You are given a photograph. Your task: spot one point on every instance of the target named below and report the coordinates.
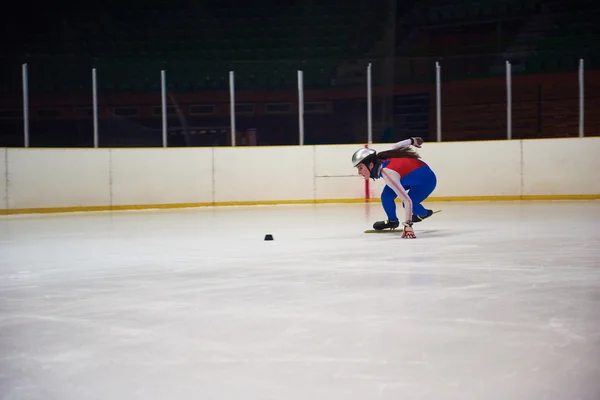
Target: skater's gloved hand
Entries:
(408, 232)
(416, 141)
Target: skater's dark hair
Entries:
(404, 152)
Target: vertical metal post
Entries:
(95, 105)
(367, 185)
(581, 103)
(163, 91)
(539, 110)
(369, 106)
(301, 108)
(25, 106)
(438, 101)
(508, 101)
(232, 106)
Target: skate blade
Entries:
(392, 230)
(435, 212)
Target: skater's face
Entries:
(364, 171)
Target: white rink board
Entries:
(55, 178)
(462, 169)
(47, 178)
(3, 188)
(335, 161)
(351, 187)
(161, 176)
(561, 166)
(475, 168)
(336, 178)
(264, 173)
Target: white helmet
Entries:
(362, 154)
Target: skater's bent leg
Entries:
(418, 208)
(387, 201)
(419, 192)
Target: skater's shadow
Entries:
(433, 233)
(441, 233)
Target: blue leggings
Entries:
(419, 184)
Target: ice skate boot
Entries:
(416, 218)
(387, 224)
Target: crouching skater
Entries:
(406, 176)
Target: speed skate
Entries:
(393, 230)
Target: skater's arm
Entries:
(392, 179)
(415, 141)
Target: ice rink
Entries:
(493, 300)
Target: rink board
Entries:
(62, 180)
(172, 176)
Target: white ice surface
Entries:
(492, 301)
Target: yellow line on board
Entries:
(526, 197)
(128, 207)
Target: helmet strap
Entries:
(373, 173)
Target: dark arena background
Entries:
(54, 48)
